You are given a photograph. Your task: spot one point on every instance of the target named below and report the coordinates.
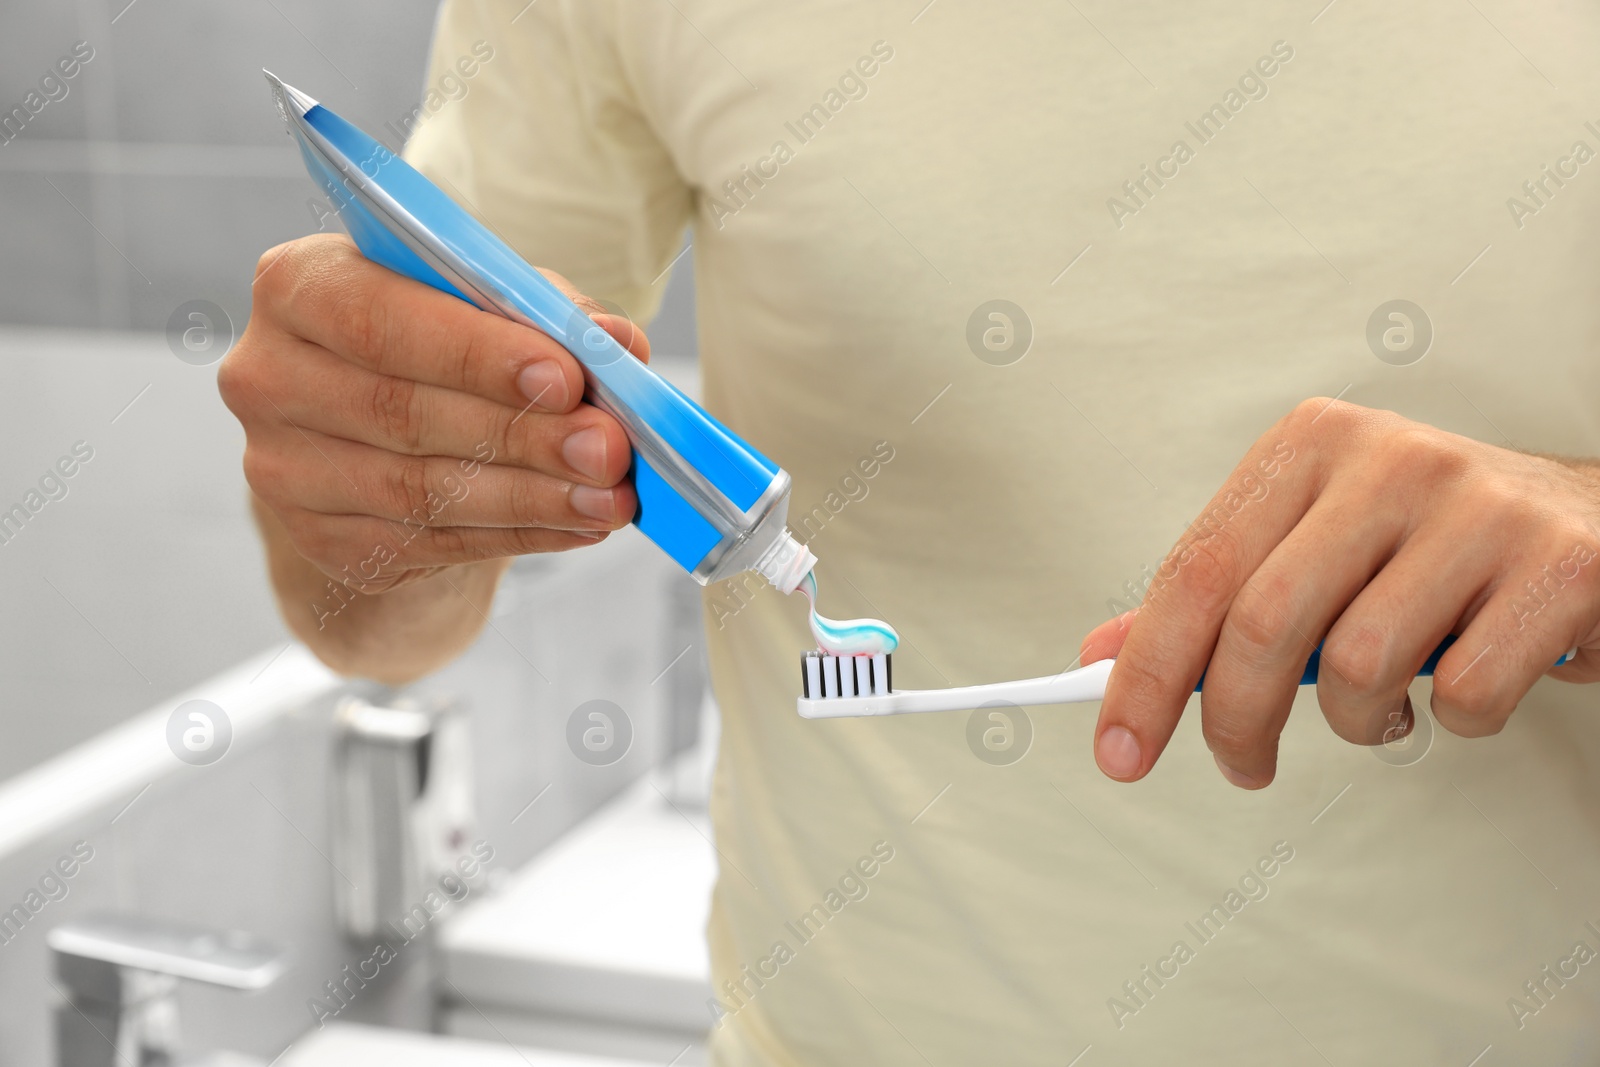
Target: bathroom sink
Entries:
(347, 1045)
(599, 943)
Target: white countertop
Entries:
(607, 924)
(345, 1045)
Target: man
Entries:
(1072, 268)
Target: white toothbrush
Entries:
(837, 687)
(847, 687)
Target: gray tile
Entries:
(191, 72)
(200, 237)
(673, 331)
(37, 36)
(149, 567)
(48, 275)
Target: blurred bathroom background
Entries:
(145, 186)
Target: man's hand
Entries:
(1377, 537)
(395, 433)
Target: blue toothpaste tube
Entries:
(714, 504)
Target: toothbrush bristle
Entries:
(825, 677)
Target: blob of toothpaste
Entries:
(848, 637)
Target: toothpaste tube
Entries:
(714, 504)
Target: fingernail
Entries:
(1243, 781)
(1117, 752)
(589, 535)
(544, 384)
(595, 503)
(585, 452)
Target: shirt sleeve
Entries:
(544, 142)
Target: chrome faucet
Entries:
(402, 806)
(120, 977)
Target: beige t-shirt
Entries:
(1197, 207)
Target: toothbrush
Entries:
(847, 687)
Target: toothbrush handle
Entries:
(1428, 667)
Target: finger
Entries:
(1171, 639)
(332, 476)
(1584, 667)
(1398, 724)
(327, 293)
(617, 324)
(627, 334)
(1372, 653)
(1274, 625)
(342, 400)
(549, 384)
(1582, 556)
(1523, 628)
(1106, 640)
(373, 553)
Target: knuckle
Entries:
(407, 488)
(1232, 739)
(525, 502)
(1500, 507)
(451, 543)
(313, 537)
(506, 440)
(392, 409)
(1261, 617)
(1423, 452)
(529, 439)
(1316, 416)
(1361, 658)
(269, 258)
(283, 271)
(234, 378)
(365, 325)
(1208, 566)
(1468, 705)
(248, 377)
(1139, 686)
(455, 544)
(274, 273)
(1311, 409)
(1322, 419)
(477, 356)
(263, 473)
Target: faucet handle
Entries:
(121, 975)
(90, 950)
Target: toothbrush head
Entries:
(840, 687)
(845, 686)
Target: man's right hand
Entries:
(394, 429)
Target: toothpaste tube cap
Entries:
(785, 563)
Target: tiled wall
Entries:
(164, 172)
